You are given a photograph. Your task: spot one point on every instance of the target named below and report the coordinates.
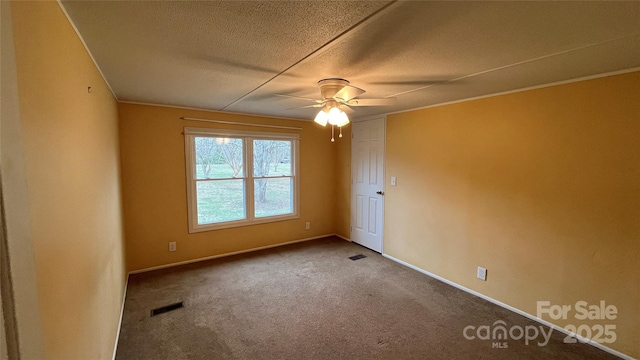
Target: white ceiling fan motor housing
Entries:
(329, 87)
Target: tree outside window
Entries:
(225, 191)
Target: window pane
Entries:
(273, 196)
(218, 158)
(220, 200)
(271, 158)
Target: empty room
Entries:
(320, 180)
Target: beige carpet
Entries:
(310, 301)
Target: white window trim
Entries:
(192, 212)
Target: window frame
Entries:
(190, 133)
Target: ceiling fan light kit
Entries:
(337, 93)
(332, 116)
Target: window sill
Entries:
(242, 223)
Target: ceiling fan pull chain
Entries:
(332, 138)
(340, 132)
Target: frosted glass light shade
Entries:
(334, 116)
(343, 119)
(322, 118)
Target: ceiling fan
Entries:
(337, 99)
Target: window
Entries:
(237, 178)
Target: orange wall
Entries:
(541, 187)
(154, 188)
(71, 157)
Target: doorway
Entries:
(367, 183)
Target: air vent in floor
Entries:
(357, 257)
(164, 309)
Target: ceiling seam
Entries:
(73, 25)
(507, 92)
(323, 46)
(516, 64)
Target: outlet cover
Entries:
(307, 225)
(482, 273)
(172, 246)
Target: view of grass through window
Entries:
(221, 179)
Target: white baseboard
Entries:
(224, 255)
(511, 308)
(342, 237)
(124, 297)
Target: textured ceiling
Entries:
(236, 56)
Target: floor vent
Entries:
(164, 309)
(357, 257)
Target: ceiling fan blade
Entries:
(299, 98)
(348, 92)
(346, 109)
(372, 102)
(307, 106)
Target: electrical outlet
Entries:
(172, 246)
(482, 273)
(307, 225)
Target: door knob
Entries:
(380, 192)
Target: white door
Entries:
(367, 183)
